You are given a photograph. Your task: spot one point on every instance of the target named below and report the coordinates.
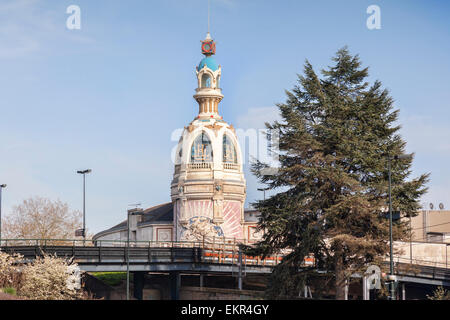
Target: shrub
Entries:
(51, 278)
(439, 294)
(46, 278)
(10, 275)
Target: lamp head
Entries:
(2, 185)
(84, 171)
(403, 156)
(136, 212)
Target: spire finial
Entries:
(209, 14)
(208, 45)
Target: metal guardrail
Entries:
(107, 251)
(214, 250)
(99, 251)
(208, 241)
(422, 262)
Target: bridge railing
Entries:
(221, 251)
(421, 262)
(44, 242)
(217, 243)
(207, 242)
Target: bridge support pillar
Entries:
(403, 291)
(138, 284)
(240, 270)
(346, 290)
(366, 293)
(175, 284)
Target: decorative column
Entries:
(218, 203)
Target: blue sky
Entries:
(109, 96)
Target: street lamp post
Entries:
(264, 190)
(391, 256)
(84, 172)
(1, 188)
(132, 212)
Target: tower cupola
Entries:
(208, 186)
(208, 93)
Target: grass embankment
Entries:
(11, 291)
(112, 278)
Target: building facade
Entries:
(431, 226)
(208, 187)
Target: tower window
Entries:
(201, 149)
(229, 151)
(206, 81)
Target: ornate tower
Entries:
(208, 93)
(208, 186)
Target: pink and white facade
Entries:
(208, 186)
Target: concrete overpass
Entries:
(206, 258)
(140, 257)
(169, 258)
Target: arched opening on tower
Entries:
(206, 81)
(201, 149)
(229, 150)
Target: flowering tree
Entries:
(10, 276)
(439, 294)
(51, 278)
(46, 278)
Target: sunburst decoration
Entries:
(232, 219)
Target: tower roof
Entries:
(210, 62)
(208, 93)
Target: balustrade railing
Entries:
(200, 165)
(231, 166)
(207, 166)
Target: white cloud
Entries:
(257, 117)
(226, 2)
(426, 135)
(429, 139)
(14, 5)
(34, 167)
(26, 28)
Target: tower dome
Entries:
(208, 187)
(210, 62)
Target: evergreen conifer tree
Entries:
(335, 137)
